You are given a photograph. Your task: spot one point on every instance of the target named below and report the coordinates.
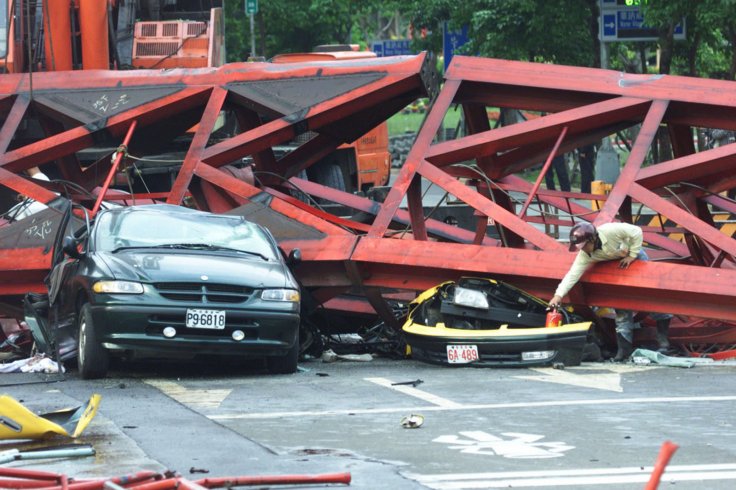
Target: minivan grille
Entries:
(192, 292)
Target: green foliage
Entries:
(549, 31)
(566, 31)
(708, 49)
(557, 31)
(554, 31)
(294, 26)
(410, 119)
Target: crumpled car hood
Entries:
(191, 267)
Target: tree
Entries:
(556, 31)
(290, 26)
(711, 36)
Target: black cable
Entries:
(708, 191)
(112, 36)
(296, 187)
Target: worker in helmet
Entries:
(610, 241)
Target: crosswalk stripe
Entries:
(489, 406)
(191, 398)
(573, 477)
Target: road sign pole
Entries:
(252, 36)
(606, 155)
(251, 9)
(604, 55)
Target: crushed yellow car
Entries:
(484, 322)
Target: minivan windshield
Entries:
(143, 228)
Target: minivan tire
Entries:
(286, 364)
(93, 359)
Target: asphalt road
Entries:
(597, 425)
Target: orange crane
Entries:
(68, 35)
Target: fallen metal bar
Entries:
(327, 478)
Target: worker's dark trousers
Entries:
(625, 318)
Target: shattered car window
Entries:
(146, 229)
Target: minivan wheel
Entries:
(285, 364)
(93, 359)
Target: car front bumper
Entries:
(500, 347)
(134, 327)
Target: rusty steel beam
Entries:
(87, 114)
(511, 137)
(394, 244)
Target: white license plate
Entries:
(214, 319)
(462, 354)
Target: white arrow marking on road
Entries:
(600, 381)
(623, 368)
(192, 398)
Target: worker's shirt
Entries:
(617, 241)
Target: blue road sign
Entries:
(451, 40)
(392, 47)
(624, 23)
(609, 25)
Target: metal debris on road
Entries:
(413, 421)
(414, 383)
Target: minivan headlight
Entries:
(289, 295)
(117, 287)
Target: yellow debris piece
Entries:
(17, 422)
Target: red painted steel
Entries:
(397, 243)
(542, 173)
(111, 174)
(58, 38)
(149, 480)
(93, 22)
(663, 458)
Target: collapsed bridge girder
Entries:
(386, 247)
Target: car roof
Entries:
(173, 209)
(169, 208)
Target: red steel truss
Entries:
(71, 123)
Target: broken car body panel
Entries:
(489, 323)
(18, 422)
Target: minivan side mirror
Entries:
(295, 257)
(69, 246)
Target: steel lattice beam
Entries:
(397, 243)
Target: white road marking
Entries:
(193, 398)
(581, 477)
(622, 368)
(489, 406)
(600, 381)
(512, 445)
(411, 391)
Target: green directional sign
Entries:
(251, 7)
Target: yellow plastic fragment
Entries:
(17, 422)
